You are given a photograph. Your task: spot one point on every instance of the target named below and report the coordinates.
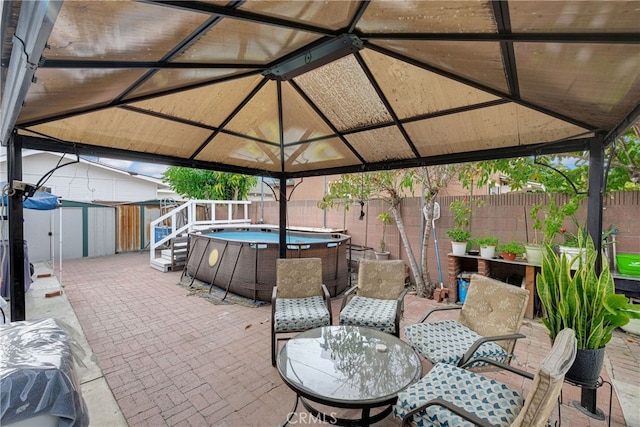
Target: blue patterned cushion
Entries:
(495, 402)
(447, 341)
(370, 312)
(298, 314)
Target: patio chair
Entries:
(452, 396)
(487, 326)
(379, 297)
(299, 301)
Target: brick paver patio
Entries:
(175, 359)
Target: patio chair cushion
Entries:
(381, 279)
(494, 308)
(497, 403)
(370, 312)
(297, 314)
(299, 277)
(448, 340)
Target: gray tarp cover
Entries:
(37, 373)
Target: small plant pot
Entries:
(487, 251)
(458, 248)
(509, 256)
(534, 254)
(382, 255)
(571, 253)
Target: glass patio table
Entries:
(347, 367)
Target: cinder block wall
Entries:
(506, 216)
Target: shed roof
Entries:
(301, 88)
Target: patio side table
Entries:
(348, 367)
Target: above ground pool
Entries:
(243, 260)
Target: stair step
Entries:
(166, 254)
(161, 264)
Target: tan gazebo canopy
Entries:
(318, 87)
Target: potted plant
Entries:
(459, 234)
(385, 218)
(487, 246)
(571, 244)
(511, 250)
(459, 237)
(547, 220)
(575, 296)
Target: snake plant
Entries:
(575, 296)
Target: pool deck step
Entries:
(161, 264)
(174, 258)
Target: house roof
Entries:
(28, 153)
(302, 88)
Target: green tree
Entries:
(392, 187)
(565, 173)
(208, 185)
(562, 173)
(433, 179)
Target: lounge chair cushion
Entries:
(495, 402)
(448, 340)
(381, 279)
(494, 308)
(299, 277)
(298, 314)
(370, 312)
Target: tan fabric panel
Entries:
(576, 16)
(135, 132)
(301, 122)
(259, 117)
(209, 105)
(412, 91)
(60, 91)
(494, 308)
(329, 14)
(594, 83)
(118, 30)
(344, 94)
(479, 61)
(494, 127)
(299, 277)
(238, 151)
(434, 16)
(381, 279)
(381, 144)
(168, 79)
(239, 41)
(327, 153)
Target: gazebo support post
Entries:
(596, 190)
(16, 232)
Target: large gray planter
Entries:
(585, 372)
(586, 367)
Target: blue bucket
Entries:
(463, 287)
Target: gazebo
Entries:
(290, 89)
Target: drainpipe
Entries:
(324, 193)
